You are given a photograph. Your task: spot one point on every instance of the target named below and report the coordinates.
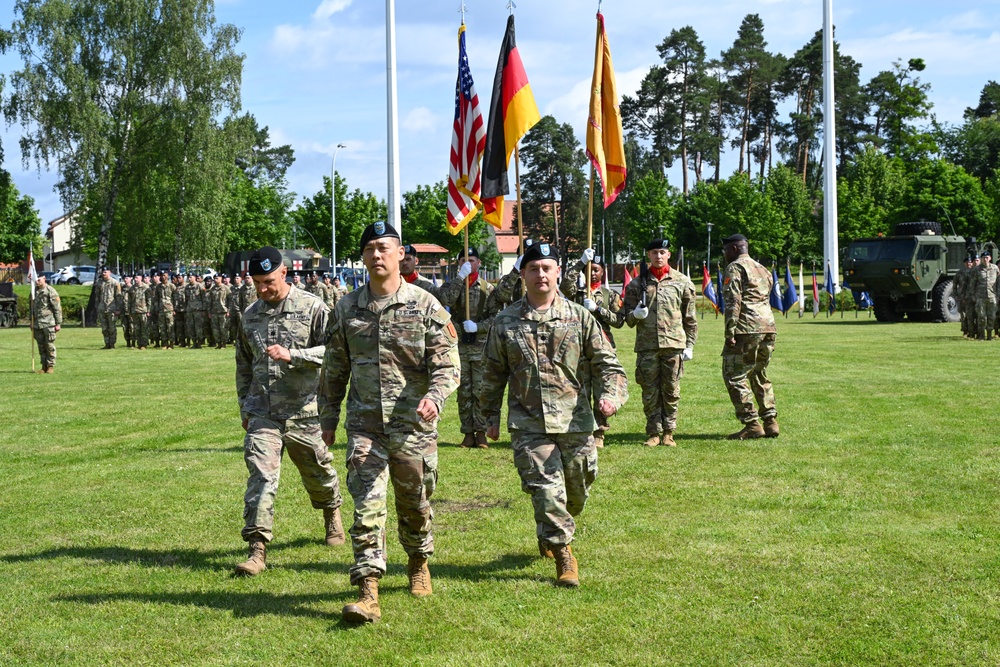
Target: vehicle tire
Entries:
(916, 228)
(73, 281)
(884, 311)
(945, 305)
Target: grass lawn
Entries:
(866, 534)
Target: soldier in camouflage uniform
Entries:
(603, 303)
(396, 346)
(237, 304)
(408, 269)
(661, 306)
(196, 302)
(165, 304)
(550, 417)
(154, 310)
(985, 286)
(126, 318)
(180, 311)
(218, 311)
(279, 351)
(750, 337)
(109, 307)
(46, 320)
(337, 292)
(139, 312)
(509, 287)
(470, 346)
(958, 287)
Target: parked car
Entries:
(76, 275)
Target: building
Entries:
(58, 251)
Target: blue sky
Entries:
(315, 69)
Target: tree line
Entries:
(137, 104)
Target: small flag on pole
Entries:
(32, 274)
(815, 295)
(720, 302)
(605, 145)
(791, 296)
(512, 113)
(468, 141)
(829, 288)
(802, 292)
(708, 289)
(627, 279)
(775, 297)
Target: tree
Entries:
(939, 190)
(794, 202)
(868, 194)
(803, 78)
(744, 62)
(898, 98)
(683, 57)
(975, 145)
(102, 79)
(355, 211)
(989, 102)
(19, 223)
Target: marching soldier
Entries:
(958, 286)
(109, 306)
(46, 320)
(395, 345)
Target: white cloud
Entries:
(328, 8)
(423, 119)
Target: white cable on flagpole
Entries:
(392, 199)
(831, 253)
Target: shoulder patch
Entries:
(441, 316)
(726, 281)
(451, 330)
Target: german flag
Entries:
(512, 113)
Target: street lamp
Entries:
(708, 256)
(333, 210)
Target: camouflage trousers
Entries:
(265, 442)
(154, 327)
(109, 327)
(410, 460)
(166, 323)
(180, 330)
(557, 469)
(986, 311)
(659, 374)
(234, 325)
(195, 321)
(140, 329)
(46, 339)
(471, 386)
(127, 329)
(744, 370)
(220, 328)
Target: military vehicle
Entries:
(8, 305)
(910, 273)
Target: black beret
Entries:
(472, 252)
(598, 260)
(986, 253)
(264, 261)
(539, 251)
(735, 238)
(970, 258)
(657, 243)
(377, 230)
(410, 250)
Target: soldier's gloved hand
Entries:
(640, 312)
(470, 326)
(687, 354)
(587, 256)
(517, 263)
(590, 304)
(464, 271)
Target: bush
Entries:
(74, 299)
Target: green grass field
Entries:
(867, 534)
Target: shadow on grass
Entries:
(508, 567)
(242, 605)
(637, 439)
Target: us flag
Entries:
(467, 144)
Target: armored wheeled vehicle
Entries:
(8, 305)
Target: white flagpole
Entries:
(831, 254)
(395, 213)
(802, 292)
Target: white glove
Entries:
(470, 326)
(464, 271)
(590, 304)
(587, 256)
(640, 312)
(581, 282)
(687, 354)
(517, 263)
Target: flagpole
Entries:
(31, 308)
(590, 227)
(467, 316)
(830, 227)
(394, 210)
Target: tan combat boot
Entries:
(480, 440)
(567, 570)
(544, 550)
(50, 369)
(599, 441)
(667, 439)
(334, 527)
(256, 563)
(750, 431)
(366, 609)
(468, 441)
(771, 427)
(420, 577)
(652, 441)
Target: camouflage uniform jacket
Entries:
(164, 297)
(218, 300)
(959, 283)
(179, 295)
(153, 297)
(984, 283)
(195, 297)
(46, 308)
(671, 322)
(508, 290)
(393, 359)
(424, 284)
(139, 303)
(746, 286)
(109, 295)
(249, 295)
(552, 360)
(609, 311)
(452, 295)
(279, 389)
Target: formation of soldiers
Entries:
(977, 289)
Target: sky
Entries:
(315, 70)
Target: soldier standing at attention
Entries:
(603, 303)
(165, 302)
(219, 312)
(408, 269)
(154, 310)
(278, 356)
(237, 304)
(661, 307)
(985, 288)
(126, 317)
(180, 310)
(552, 354)
(750, 337)
(109, 307)
(471, 343)
(139, 310)
(396, 345)
(338, 291)
(195, 311)
(958, 286)
(46, 320)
